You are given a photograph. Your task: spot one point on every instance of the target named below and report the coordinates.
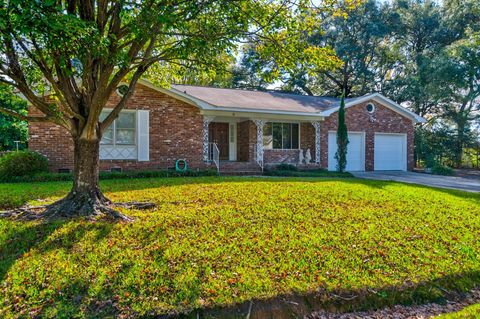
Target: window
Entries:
(122, 130)
(280, 136)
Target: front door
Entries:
(218, 134)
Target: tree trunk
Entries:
(459, 144)
(85, 198)
(86, 161)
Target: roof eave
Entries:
(386, 101)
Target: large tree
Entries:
(457, 86)
(68, 57)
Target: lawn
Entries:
(216, 241)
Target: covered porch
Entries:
(252, 143)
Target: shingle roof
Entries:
(259, 100)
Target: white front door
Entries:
(355, 151)
(232, 139)
(390, 152)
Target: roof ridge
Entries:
(259, 91)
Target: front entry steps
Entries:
(239, 168)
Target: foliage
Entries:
(305, 173)
(359, 41)
(285, 167)
(457, 83)
(22, 163)
(442, 170)
(342, 138)
(11, 128)
(217, 241)
(436, 144)
(52, 177)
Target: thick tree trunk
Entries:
(85, 198)
(86, 161)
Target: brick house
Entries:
(240, 130)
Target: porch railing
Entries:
(214, 155)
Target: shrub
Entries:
(306, 173)
(442, 170)
(285, 167)
(54, 177)
(22, 163)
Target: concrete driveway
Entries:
(452, 182)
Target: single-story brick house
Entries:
(240, 130)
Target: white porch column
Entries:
(316, 125)
(206, 123)
(259, 146)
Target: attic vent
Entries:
(122, 89)
(370, 108)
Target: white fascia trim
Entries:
(245, 114)
(384, 101)
(258, 111)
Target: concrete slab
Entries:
(451, 182)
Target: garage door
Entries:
(355, 151)
(390, 152)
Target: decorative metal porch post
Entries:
(259, 146)
(206, 123)
(316, 125)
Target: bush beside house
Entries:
(22, 163)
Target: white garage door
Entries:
(390, 152)
(355, 151)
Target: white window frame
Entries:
(284, 149)
(114, 124)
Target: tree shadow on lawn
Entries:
(122, 185)
(35, 235)
(73, 298)
(439, 290)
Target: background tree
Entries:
(78, 52)
(12, 128)
(342, 138)
(359, 41)
(457, 86)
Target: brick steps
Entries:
(239, 168)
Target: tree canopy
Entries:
(68, 57)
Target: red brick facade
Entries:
(176, 131)
(383, 120)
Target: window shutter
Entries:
(143, 129)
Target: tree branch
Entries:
(24, 117)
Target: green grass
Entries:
(471, 312)
(216, 241)
(306, 173)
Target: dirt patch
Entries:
(406, 312)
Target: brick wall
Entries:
(358, 119)
(176, 131)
